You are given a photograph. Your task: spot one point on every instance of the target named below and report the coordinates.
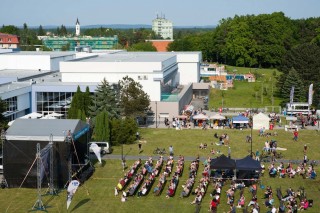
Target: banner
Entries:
(291, 95)
(45, 162)
(72, 188)
(310, 94)
(97, 151)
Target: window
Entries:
(145, 77)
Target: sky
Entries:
(180, 12)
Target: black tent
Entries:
(222, 162)
(248, 163)
(19, 149)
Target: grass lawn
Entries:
(245, 94)
(97, 194)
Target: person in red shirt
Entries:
(295, 135)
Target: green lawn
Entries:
(245, 94)
(97, 194)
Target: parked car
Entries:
(105, 147)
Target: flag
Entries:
(97, 151)
(72, 188)
(310, 94)
(291, 95)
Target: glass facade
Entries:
(59, 102)
(11, 108)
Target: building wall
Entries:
(55, 62)
(23, 101)
(26, 62)
(163, 27)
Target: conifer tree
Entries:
(104, 99)
(292, 79)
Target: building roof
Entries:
(52, 54)
(77, 22)
(14, 86)
(161, 45)
(4, 39)
(41, 129)
(21, 74)
(130, 57)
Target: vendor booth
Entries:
(260, 120)
(240, 122)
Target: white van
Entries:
(298, 108)
(105, 147)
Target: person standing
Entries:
(123, 164)
(257, 155)
(171, 150)
(229, 152)
(305, 159)
(305, 149)
(295, 135)
(140, 147)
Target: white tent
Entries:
(217, 117)
(200, 117)
(260, 120)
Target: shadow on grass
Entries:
(103, 163)
(82, 202)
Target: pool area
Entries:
(168, 97)
(235, 77)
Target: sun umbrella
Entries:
(200, 117)
(217, 117)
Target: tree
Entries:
(123, 131)
(10, 29)
(143, 46)
(101, 131)
(80, 105)
(105, 99)
(41, 32)
(305, 59)
(133, 100)
(292, 79)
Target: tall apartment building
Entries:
(163, 27)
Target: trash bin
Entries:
(271, 126)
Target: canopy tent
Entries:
(200, 117)
(188, 108)
(260, 121)
(248, 163)
(217, 117)
(240, 120)
(222, 162)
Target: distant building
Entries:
(77, 28)
(57, 43)
(96, 43)
(8, 41)
(163, 27)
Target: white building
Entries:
(163, 27)
(45, 82)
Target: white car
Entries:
(105, 147)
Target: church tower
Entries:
(77, 28)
